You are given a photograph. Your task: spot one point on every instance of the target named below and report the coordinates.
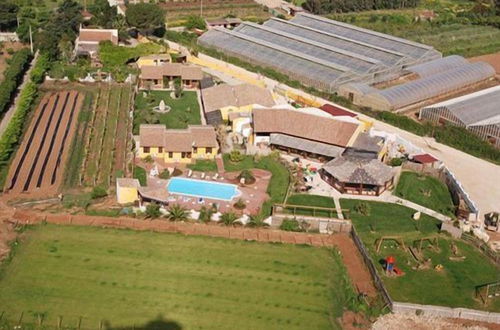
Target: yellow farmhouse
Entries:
(219, 102)
(177, 145)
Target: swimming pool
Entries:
(200, 188)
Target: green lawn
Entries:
(129, 278)
(454, 286)
(311, 200)
(184, 111)
(426, 191)
(280, 179)
(203, 165)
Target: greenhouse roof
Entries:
(436, 66)
(412, 49)
(386, 56)
(317, 55)
(479, 108)
(298, 65)
(353, 61)
(435, 85)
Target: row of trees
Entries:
(178, 213)
(344, 6)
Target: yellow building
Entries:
(127, 190)
(153, 60)
(222, 100)
(177, 145)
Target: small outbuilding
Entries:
(358, 176)
(127, 190)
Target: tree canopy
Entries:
(343, 6)
(147, 17)
(8, 16)
(104, 14)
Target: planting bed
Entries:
(38, 166)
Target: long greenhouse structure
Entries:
(319, 52)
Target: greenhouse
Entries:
(427, 88)
(437, 66)
(316, 55)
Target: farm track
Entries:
(122, 133)
(108, 140)
(36, 167)
(97, 131)
(87, 133)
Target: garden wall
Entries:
(323, 225)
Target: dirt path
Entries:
(356, 269)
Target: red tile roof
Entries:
(336, 111)
(424, 159)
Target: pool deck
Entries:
(253, 195)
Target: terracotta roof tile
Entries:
(172, 70)
(217, 97)
(179, 140)
(301, 124)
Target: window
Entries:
(195, 150)
(170, 154)
(188, 155)
(145, 150)
(160, 150)
(208, 150)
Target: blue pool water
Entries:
(200, 188)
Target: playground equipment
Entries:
(456, 255)
(390, 267)
(488, 291)
(397, 239)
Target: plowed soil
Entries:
(37, 169)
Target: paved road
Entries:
(8, 115)
(479, 178)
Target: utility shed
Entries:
(437, 85)
(479, 112)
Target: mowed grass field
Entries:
(130, 278)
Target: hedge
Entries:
(13, 76)
(13, 132)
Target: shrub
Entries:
(228, 218)
(396, 162)
(148, 159)
(240, 204)
(98, 192)
(206, 214)
(165, 174)
(196, 22)
(153, 211)
(176, 172)
(291, 225)
(236, 156)
(141, 175)
(177, 213)
(247, 176)
(362, 208)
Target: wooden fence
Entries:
(483, 247)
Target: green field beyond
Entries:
(131, 278)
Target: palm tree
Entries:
(228, 218)
(257, 221)
(206, 214)
(177, 213)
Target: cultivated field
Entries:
(106, 138)
(129, 278)
(37, 168)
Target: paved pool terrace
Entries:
(254, 195)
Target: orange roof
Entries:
(305, 125)
(98, 35)
(178, 140)
(171, 70)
